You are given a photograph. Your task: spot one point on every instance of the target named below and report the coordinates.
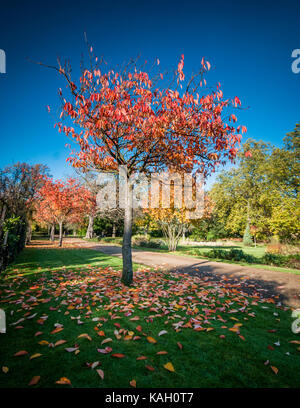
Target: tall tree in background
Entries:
(130, 116)
(262, 191)
(63, 202)
(19, 185)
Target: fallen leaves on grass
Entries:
(21, 353)
(133, 383)
(169, 367)
(34, 380)
(180, 302)
(35, 356)
(63, 381)
(274, 369)
(101, 373)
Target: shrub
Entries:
(150, 244)
(277, 248)
(15, 231)
(236, 255)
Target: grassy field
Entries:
(69, 319)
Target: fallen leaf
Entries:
(133, 383)
(63, 381)
(101, 373)
(106, 341)
(35, 380)
(59, 342)
(5, 369)
(35, 356)
(274, 369)
(71, 349)
(151, 340)
(169, 367)
(150, 368)
(118, 355)
(84, 335)
(21, 353)
(57, 330)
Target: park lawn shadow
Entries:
(33, 261)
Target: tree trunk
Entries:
(114, 230)
(90, 230)
(127, 275)
(60, 233)
(28, 234)
(52, 230)
(183, 234)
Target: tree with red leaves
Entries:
(60, 203)
(130, 117)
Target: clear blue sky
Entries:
(248, 43)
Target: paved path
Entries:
(284, 287)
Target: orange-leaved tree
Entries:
(60, 203)
(135, 117)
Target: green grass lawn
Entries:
(213, 336)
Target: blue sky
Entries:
(249, 45)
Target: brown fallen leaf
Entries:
(118, 355)
(84, 335)
(106, 340)
(142, 358)
(34, 380)
(274, 369)
(5, 369)
(57, 330)
(21, 353)
(151, 340)
(59, 342)
(133, 383)
(160, 353)
(150, 368)
(179, 345)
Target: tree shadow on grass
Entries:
(263, 286)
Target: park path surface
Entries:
(281, 286)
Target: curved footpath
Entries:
(281, 286)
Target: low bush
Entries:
(12, 241)
(237, 255)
